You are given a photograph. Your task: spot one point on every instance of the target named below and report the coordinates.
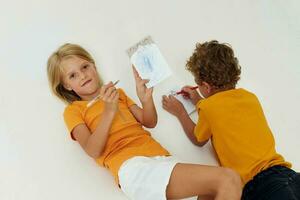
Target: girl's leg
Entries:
(189, 180)
(205, 197)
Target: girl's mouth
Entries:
(85, 83)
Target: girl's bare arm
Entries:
(147, 114)
(94, 143)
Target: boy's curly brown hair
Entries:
(214, 63)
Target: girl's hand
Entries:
(172, 105)
(110, 97)
(144, 93)
(193, 95)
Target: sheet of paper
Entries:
(188, 105)
(149, 62)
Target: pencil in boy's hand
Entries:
(183, 92)
(97, 97)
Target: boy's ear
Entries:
(207, 87)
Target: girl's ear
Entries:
(67, 87)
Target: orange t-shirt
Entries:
(235, 122)
(127, 138)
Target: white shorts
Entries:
(146, 178)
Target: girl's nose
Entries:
(82, 75)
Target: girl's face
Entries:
(80, 76)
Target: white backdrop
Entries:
(37, 158)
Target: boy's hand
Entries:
(193, 95)
(144, 93)
(172, 105)
(110, 96)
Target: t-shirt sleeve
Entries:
(123, 97)
(202, 129)
(72, 117)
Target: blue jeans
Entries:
(274, 183)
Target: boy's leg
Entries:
(282, 183)
(198, 180)
(291, 191)
(296, 186)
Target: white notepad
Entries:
(149, 62)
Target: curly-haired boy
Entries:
(234, 121)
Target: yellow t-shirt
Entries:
(127, 138)
(241, 137)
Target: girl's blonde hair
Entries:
(55, 71)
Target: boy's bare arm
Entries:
(188, 127)
(175, 107)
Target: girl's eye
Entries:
(85, 66)
(72, 76)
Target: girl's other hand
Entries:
(110, 96)
(193, 95)
(172, 105)
(144, 93)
